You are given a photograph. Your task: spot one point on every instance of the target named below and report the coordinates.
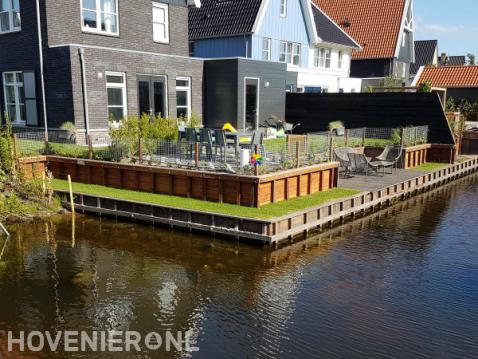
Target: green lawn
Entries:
(266, 212)
(430, 166)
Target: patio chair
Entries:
(390, 157)
(191, 139)
(341, 155)
(359, 163)
(205, 141)
(256, 140)
(220, 144)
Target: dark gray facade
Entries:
(225, 90)
(132, 52)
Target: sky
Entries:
(454, 23)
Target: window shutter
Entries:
(31, 107)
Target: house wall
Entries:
(371, 68)
(272, 85)
(135, 26)
(237, 46)
(220, 92)
(20, 58)
(470, 94)
(290, 28)
(98, 61)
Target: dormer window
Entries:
(9, 16)
(100, 16)
(283, 8)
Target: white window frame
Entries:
(188, 97)
(266, 52)
(165, 7)
(11, 22)
(290, 52)
(340, 60)
(122, 86)
(98, 11)
(16, 86)
(321, 58)
(283, 8)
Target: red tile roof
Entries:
(374, 24)
(450, 76)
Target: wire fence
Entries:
(269, 156)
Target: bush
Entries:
(6, 150)
(335, 124)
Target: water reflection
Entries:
(401, 282)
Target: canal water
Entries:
(402, 283)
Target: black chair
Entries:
(220, 144)
(390, 157)
(359, 163)
(191, 138)
(205, 141)
(256, 140)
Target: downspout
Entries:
(81, 53)
(42, 77)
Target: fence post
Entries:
(140, 149)
(416, 135)
(346, 137)
(15, 148)
(46, 143)
(256, 166)
(297, 154)
(196, 154)
(90, 147)
(402, 132)
(331, 148)
(364, 135)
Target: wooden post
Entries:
(140, 149)
(331, 148)
(297, 154)
(416, 135)
(196, 154)
(346, 137)
(402, 131)
(364, 135)
(90, 147)
(15, 147)
(72, 204)
(47, 146)
(256, 166)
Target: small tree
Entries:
(471, 59)
(425, 87)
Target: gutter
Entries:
(42, 76)
(81, 53)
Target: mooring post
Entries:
(72, 204)
(196, 154)
(90, 147)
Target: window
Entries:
(341, 59)
(160, 23)
(322, 57)
(10, 16)
(289, 53)
(283, 8)
(266, 48)
(14, 96)
(183, 97)
(116, 92)
(100, 16)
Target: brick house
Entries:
(102, 59)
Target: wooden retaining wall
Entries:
(278, 229)
(33, 167)
(251, 191)
(469, 143)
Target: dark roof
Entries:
(217, 18)
(328, 31)
(452, 61)
(424, 54)
(315, 111)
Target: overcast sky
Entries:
(454, 23)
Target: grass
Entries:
(265, 212)
(430, 166)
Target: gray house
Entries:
(102, 59)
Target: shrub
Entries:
(68, 126)
(335, 124)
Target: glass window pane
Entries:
(89, 4)
(108, 6)
(182, 83)
(89, 19)
(115, 113)
(12, 113)
(114, 79)
(108, 23)
(10, 94)
(4, 21)
(9, 77)
(21, 95)
(159, 32)
(4, 5)
(115, 97)
(181, 98)
(17, 22)
(19, 76)
(182, 112)
(143, 93)
(16, 5)
(158, 95)
(159, 15)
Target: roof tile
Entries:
(374, 24)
